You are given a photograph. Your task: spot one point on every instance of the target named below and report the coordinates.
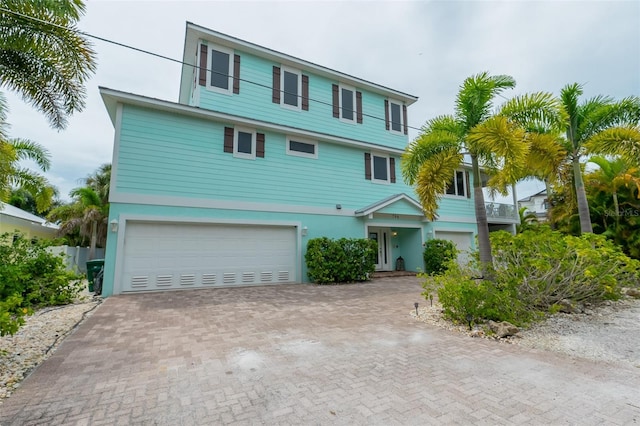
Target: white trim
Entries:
(298, 153)
(124, 218)
(456, 219)
(402, 123)
(230, 52)
(236, 153)
(355, 106)
(113, 97)
(298, 73)
(464, 186)
(373, 169)
(390, 201)
(116, 152)
(194, 32)
(162, 200)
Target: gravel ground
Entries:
(609, 333)
(37, 339)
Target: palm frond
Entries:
(423, 149)
(433, 176)
(623, 141)
(539, 112)
(601, 113)
(474, 102)
(29, 150)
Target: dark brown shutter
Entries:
(228, 139)
(305, 92)
(466, 183)
(236, 74)
(404, 119)
(275, 97)
(203, 65)
(367, 166)
(386, 114)
(336, 101)
(392, 169)
(359, 107)
(260, 145)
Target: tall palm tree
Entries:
(597, 125)
(44, 57)
(100, 181)
(12, 175)
(496, 142)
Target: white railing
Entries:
(501, 211)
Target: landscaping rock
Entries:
(633, 292)
(568, 307)
(503, 329)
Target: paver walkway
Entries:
(302, 354)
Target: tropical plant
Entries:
(496, 142)
(44, 57)
(528, 220)
(12, 175)
(597, 125)
(437, 254)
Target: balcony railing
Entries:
(501, 211)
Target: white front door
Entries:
(383, 237)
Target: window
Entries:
(458, 185)
(347, 104)
(219, 69)
(244, 143)
(290, 88)
(379, 168)
(302, 148)
(395, 115)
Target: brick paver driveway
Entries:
(306, 355)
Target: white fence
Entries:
(76, 257)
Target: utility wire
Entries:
(177, 61)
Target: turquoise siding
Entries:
(460, 208)
(401, 206)
(254, 101)
(173, 155)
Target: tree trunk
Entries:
(547, 187)
(484, 244)
(581, 196)
(94, 238)
(616, 207)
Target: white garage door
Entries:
(159, 256)
(462, 240)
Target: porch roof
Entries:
(403, 203)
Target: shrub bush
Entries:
(343, 260)
(31, 277)
(437, 254)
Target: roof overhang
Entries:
(389, 201)
(194, 33)
(112, 98)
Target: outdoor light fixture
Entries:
(416, 305)
(113, 225)
(394, 233)
(305, 231)
(339, 206)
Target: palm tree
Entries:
(100, 181)
(598, 125)
(12, 175)
(43, 56)
(496, 142)
(86, 214)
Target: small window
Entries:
(291, 88)
(221, 69)
(396, 117)
(457, 186)
(244, 144)
(302, 148)
(347, 103)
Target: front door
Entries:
(383, 237)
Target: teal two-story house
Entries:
(262, 152)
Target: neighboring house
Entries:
(262, 152)
(537, 203)
(17, 221)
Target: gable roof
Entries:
(379, 205)
(13, 211)
(194, 33)
(537, 194)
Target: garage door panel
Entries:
(167, 256)
(462, 240)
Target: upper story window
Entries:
(290, 88)
(302, 148)
(458, 186)
(244, 143)
(395, 115)
(219, 69)
(347, 103)
(379, 168)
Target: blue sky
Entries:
(423, 48)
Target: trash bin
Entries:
(93, 267)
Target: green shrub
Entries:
(343, 260)
(437, 254)
(31, 277)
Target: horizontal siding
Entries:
(254, 101)
(172, 155)
(456, 207)
(400, 207)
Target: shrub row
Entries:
(339, 261)
(31, 277)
